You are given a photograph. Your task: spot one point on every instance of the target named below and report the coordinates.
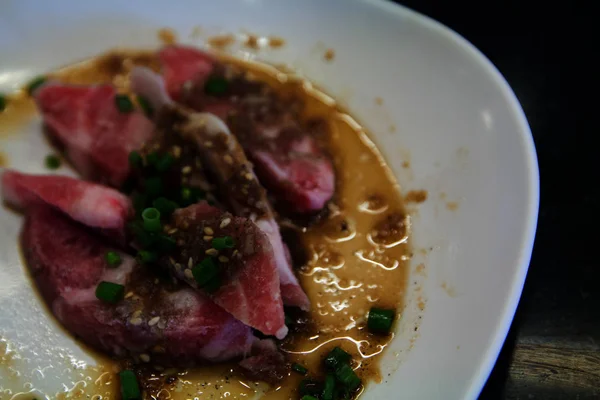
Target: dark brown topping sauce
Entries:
(354, 256)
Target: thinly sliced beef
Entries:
(247, 274)
(182, 64)
(97, 137)
(284, 150)
(177, 326)
(222, 154)
(89, 203)
(266, 363)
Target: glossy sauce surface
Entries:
(357, 254)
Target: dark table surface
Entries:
(545, 52)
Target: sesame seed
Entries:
(208, 144)
(158, 349)
(153, 321)
(188, 273)
(135, 321)
(225, 222)
(177, 267)
(172, 231)
(128, 295)
(156, 281)
(172, 261)
(180, 242)
(145, 357)
(212, 252)
(208, 230)
(249, 176)
(223, 259)
(228, 159)
(162, 324)
(190, 262)
(208, 238)
(176, 151)
(186, 170)
(198, 162)
(136, 314)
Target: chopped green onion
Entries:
(380, 320)
(113, 258)
(153, 186)
(145, 106)
(225, 242)
(206, 271)
(143, 238)
(110, 292)
(309, 397)
(123, 103)
(151, 217)
(34, 84)
(213, 284)
(164, 243)
(130, 389)
(328, 390)
(299, 369)
(52, 161)
(2, 102)
(310, 387)
(164, 163)
(146, 256)
(347, 377)
(135, 159)
(336, 358)
(191, 196)
(216, 86)
(152, 158)
(165, 206)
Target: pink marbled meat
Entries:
(96, 136)
(67, 263)
(250, 280)
(91, 204)
(182, 64)
(288, 161)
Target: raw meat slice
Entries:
(221, 152)
(91, 204)
(286, 155)
(175, 326)
(97, 137)
(182, 64)
(249, 288)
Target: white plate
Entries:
(458, 123)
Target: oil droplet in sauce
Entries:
(356, 256)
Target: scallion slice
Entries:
(130, 389)
(164, 163)
(135, 159)
(52, 161)
(145, 106)
(123, 103)
(110, 292)
(347, 377)
(328, 390)
(113, 258)
(35, 83)
(309, 397)
(380, 320)
(151, 217)
(146, 256)
(205, 272)
(221, 243)
(165, 206)
(164, 243)
(299, 369)
(216, 86)
(336, 358)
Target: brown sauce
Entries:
(357, 255)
